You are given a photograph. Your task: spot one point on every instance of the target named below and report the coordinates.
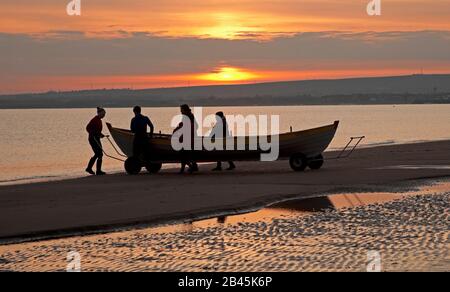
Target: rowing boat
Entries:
(303, 149)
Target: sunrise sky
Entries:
(161, 43)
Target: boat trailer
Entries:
(346, 152)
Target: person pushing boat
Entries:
(222, 131)
(95, 128)
(139, 126)
(188, 120)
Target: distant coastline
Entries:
(413, 89)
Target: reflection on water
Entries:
(302, 207)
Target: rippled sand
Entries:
(410, 234)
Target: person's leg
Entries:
(232, 166)
(183, 167)
(92, 161)
(141, 149)
(219, 166)
(99, 166)
(146, 151)
(183, 161)
(190, 167)
(194, 166)
(91, 165)
(136, 147)
(99, 154)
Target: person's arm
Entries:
(132, 126)
(152, 128)
(100, 129)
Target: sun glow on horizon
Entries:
(228, 74)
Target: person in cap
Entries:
(94, 129)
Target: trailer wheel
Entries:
(316, 163)
(298, 162)
(133, 166)
(153, 167)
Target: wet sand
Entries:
(93, 203)
(408, 234)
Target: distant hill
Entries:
(412, 89)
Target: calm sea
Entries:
(45, 144)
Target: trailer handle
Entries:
(343, 153)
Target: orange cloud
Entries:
(223, 19)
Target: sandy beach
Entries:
(100, 203)
(395, 203)
(405, 233)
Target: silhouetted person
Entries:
(188, 119)
(222, 131)
(139, 126)
(94, 128)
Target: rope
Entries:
(114, 147)
(106, 154)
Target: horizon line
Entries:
(223, 85)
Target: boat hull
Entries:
(309, 143)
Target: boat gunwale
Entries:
(315, 138)
(333, 126)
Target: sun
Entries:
(228, 74)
